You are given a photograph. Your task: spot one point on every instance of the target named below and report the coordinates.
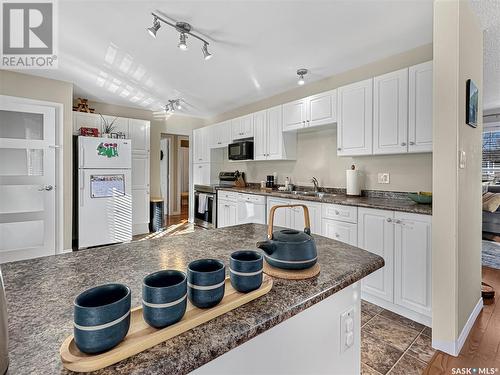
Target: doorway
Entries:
(30, 179)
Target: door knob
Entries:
(46, 188)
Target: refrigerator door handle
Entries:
(82, 186)
(82, 156)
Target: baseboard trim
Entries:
(141, 228)
(64, 251)
(454, 347)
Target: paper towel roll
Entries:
(353, 182)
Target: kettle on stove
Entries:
(4, 354)
(288, 248)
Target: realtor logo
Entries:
(28, 35)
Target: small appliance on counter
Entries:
(270, 181)
(205, 199)
(102, 191)
(4, 354)
(241, 150)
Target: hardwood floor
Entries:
(482, 347)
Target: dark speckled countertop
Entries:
(40, 295)
(386, 203)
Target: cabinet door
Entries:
(294, 115)
(314, 216)
(412, 262)
(236, 132)
(201, 152)
(201, 174)
(282, 216)
(222, 214)
(233, 213)
(390, 113)
(139, 134)
(85, 120)
(376, 235)
(420, 108)
(340, 231)
(275, 133)
(260, 139)
(355, 119)
(246, 126)
(140, 193)
(219, 135)
(322, 109)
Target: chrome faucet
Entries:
(314, 180)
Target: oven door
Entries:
(205, 217)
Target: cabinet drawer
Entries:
(340, 231)
(257, 199)
(227, 195)
(340, 212)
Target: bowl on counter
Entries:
(164, 297)
(245, 270)
(101, 317)
(206, 282)
(421, 197)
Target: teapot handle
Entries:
(307, 227)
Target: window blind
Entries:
(491, 149)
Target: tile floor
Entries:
(392, 344)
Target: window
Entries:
(491, 148)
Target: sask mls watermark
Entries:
(28, 35)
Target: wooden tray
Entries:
(141, 336)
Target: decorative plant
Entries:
(108, 126)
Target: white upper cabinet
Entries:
(355, 125)
(219, 135)
(201, 152)
(201, 174)
(420, 108)
(139, 134)
(270, 143)
(242, 127)
(390, 113)
(316, 110)
(322, 109)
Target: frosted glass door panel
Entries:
(21, 235)
(21, 125)
(21, 162)
(21, 198)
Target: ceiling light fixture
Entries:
(301, 73)
(184, 30)
(153, 29)
(173, 105)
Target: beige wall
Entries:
(317, 150)
(176, 124)
(456, 222)
(32, 87)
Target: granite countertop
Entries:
(384, 203)
(40, 295)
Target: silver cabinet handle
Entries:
(403, 143)
(337, 212)
(337, 235)
(412, 143)
(46, 188)
(397, 221)
(389, 220)
(339, 149)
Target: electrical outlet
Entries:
(347, 330)
(383, 178)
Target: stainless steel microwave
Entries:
(242, 150)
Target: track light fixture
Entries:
(173, 105)
(153, 29)
(184, 30)
(301, 73)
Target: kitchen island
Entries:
(40, 295)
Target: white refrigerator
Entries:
(105, 191)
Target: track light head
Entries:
(301, 73)
(178, 104)
(206, 55)
(182, 42)
(153, 29)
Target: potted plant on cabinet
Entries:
(107, 127)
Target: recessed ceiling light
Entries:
(301, 73)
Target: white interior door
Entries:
(27, 181)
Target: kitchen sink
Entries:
(308, 193)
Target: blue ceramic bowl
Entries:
(164, 298)
(206, 279)
(245, 270)
(102, 317)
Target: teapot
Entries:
(289, 248)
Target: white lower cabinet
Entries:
(227, 213)
(294, 217)
(251, 209)
(403, 285)
(340, 231)
(282, 216)
(412, 262)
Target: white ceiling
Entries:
(105, 51)
(488, 12)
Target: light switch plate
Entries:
(383, 178)
(462, 159)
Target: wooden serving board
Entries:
(141, 336)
